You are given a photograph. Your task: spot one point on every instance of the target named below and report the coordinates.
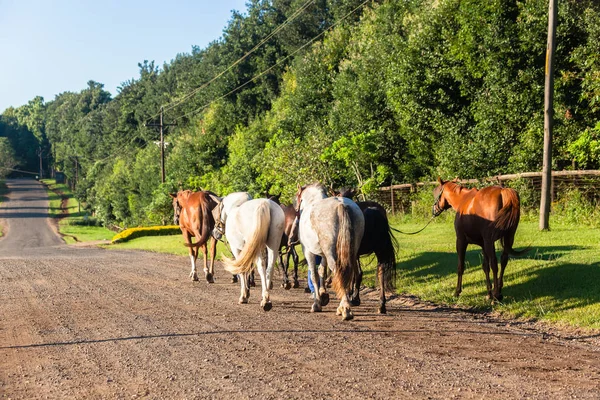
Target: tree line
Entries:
(348, 93)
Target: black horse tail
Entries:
(386, 249)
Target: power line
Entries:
(294, 15)
(274, 65)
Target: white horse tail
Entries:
(347, 265)
(255, 245)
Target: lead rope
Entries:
(439, 196)
(413, 233)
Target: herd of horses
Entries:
(334, 231)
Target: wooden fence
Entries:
(399, 198)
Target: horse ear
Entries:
(440, 181)
(173, 195)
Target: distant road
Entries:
(25, 217)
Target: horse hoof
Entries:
(252, 284)
(286, 285)
(247, 293)
(243, 300)
(296, 285)
(267, 306)
(209, 278)
(324, 299)
(316, 308)
(347, 314)
(306, 290)
(382, 309)
(355, 301)
(234, 279)
(456, 294)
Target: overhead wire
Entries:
(294, 15)
(274, 65)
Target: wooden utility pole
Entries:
(161, 125)
(40, 153)
(548, 117)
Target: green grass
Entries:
(557, 280)
(73, 225)
(171, 244)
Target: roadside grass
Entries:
(75, 223)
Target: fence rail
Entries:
(399, 198)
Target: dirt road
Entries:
(91, 323)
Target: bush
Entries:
(132, 233)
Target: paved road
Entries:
(91, 323)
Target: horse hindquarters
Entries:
(346, 267)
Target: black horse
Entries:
(288, 242)
(379, 240)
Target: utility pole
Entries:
(161, 125)
(548, 118)
(40, 153)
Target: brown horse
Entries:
(482, 217)
(288, 243)
(193, 214)
(378, 239)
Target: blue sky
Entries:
(52, 46)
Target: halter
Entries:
(437, 210)
(219, 224)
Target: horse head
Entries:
(441, 203)
(308, 194)
(176, 208)
(349, 193)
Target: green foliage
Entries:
(585, 150)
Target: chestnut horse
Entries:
(289, 241)
(378, 239)
(332, 228)
(482, 217)
(193, 214)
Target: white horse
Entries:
(332, 228)
(253, 229)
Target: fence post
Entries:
(392, 195)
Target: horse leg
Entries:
(311, 261)
(493, 261)
(380, 275)
(461, 249)
(294, 255)
(207, 274)
(507, 245)
(251, 282)
(322, 288)
(213, 253)
(265, 303)
(193, 252)
(486, 271)
(355, 301)
(286, 280)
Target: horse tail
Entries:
(508, 216)
(206, 220)
(386, 256)
(347, 255)
(254, 245)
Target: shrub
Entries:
(132, 233)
